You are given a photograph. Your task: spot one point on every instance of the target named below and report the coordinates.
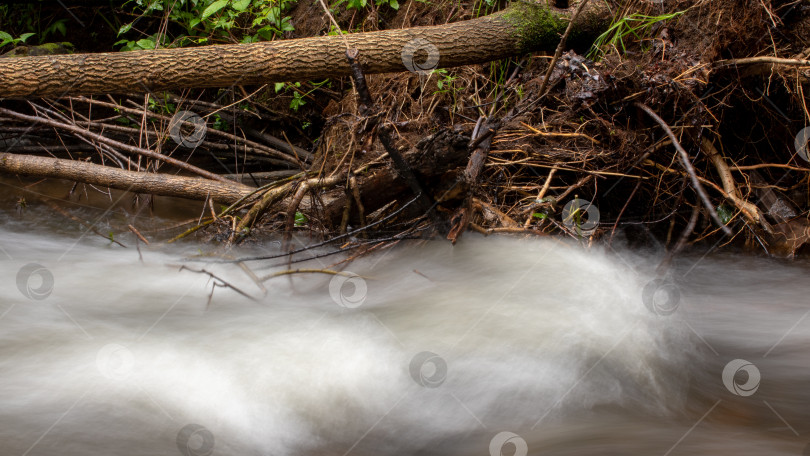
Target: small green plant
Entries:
(725, 212)
(636, 25)
(27, 20)
(297, 93)
(484, 7)
(244, 21)
(298, 98)
(300, 219)
(163, 106)
(360, 4)
(519, 91)
(220, 123)
(54, 27)
(446, 82)
(392, 3)
(6, 38)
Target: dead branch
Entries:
(133, 181)
(687, 165)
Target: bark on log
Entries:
(138, 182)
(521, 28)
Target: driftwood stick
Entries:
(688, 166)
(138, 182)
(729, 185)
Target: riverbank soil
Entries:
(684, 123)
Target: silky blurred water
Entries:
(494, 346)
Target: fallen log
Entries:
(521, 28)
(133, 181)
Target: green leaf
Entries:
(300, 219)
(124, 28)
(539, 215)
(286, 26)
(297, 101)
(25, 36)
(393, 4)
(240, 5)
(279, 86)
(725, 213)
(146, 43)
(213, 8)
(60, 27)
(6, 37)
(268, 33)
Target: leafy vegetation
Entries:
(207, 21)
(27, 22)
(6, 38)
(636, 25)
(298, 94)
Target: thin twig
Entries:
(111, 142)
(560, 47)
(688, 166)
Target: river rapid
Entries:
(494, 346)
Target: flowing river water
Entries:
(494, 346)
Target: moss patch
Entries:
(537, 26)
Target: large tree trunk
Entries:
(523, 27)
